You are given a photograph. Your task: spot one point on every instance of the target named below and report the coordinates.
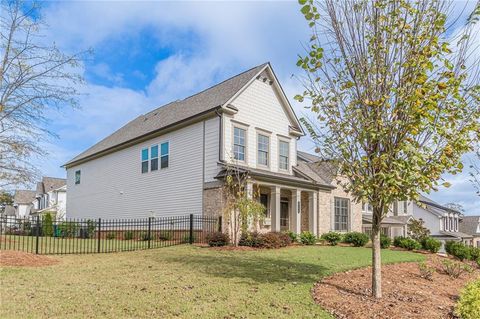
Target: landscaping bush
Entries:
(128, 235)
(431, 244)
(217, 239)
(308, 238)
(356, 239)
(426, 271)
(293, 236)
(458, 250)
(165, 235)
(47, 224)
(250, 239)
(407, 243)
(385, 242)
(265, 240)
(68, 229)
(186, 238)
(333, 238)
(397, 240)
(145, 236)
(111, 235)
(468, 306)
(285, 239)
(271, 240)
(474, 253)
(455, 269)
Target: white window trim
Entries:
(289, 160)
(269, 154)
(349, 217)
(160, 168)
(245, 128)
(75, 177)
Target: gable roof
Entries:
(307, 157)
(470, 225)
(435, 207)
(23, 197)
(173, 113)
(50, 183)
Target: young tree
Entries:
(416, 230)
(393, 101)
(35, 77)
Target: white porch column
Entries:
(312, 211)
(296, 211)
(249, 190)
(275, 208)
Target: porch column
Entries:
(296, 211)
(312, 211)
(249, 190)
(275, 208)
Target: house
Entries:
(23, 203)
(173, 161)
(51, 196)
(471, 225)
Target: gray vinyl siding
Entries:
(113, 186)
(212, 140)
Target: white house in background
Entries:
(51, 196)
(471, 225)
(172, 161)
(23, 203)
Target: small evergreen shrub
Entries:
(265, 240)
(217, 239)
(68, 229)
(468, 306)
(307, 238)
(128, 235)
(385, 242)
(397, 240)
(250, 239)
(47, 225)
(144, 236)
(293, 236)
(356, 239)
(474, 253)
(408, 243)
(111, 235)
(165, 235)
(426, 271)
(431, 244)
(333, 238)
(458, 250)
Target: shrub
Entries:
(455, 269)
(250, 239)
(458, 250)
(397, 240)
(356, 239)
(468, 306)
(307, 238)
(474, 253)
(426, 271)
(285, 239)
(478, 262)
(47, 224)
(265, 240)
(431, 244)
(186, 238)
(128, 235)
(293, 236)
(271, 240)
(68, 229)
(385, 242)
(407, 243)
(217, 239)
(416, 230)
(111, 235)
(165, 235)
(333, 238)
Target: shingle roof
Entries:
(306, 170)
(309, 157)
(24, 196)
(52, 183)
(435, 207)
(173, 112)
(470, 225)
(9, 211)
(393, 220)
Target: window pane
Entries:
(284, 148)
(341, 214)
(145, 154)
(145, 167)
(164, 149)
(154, 151)
(262, 158)
(154, 164)
(164, 161)
(77, 177)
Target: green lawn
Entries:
(180, 282)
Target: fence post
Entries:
(38, 234)
(191, 229)
(149, 230)
(220, 223)
(99, 234)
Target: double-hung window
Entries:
(164, 154)
(77, 177)
(341, 214)
(283, 151)
(145, 160)
(263, 147)
(154, 158)
(239, 144)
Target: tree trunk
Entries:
(376, 263)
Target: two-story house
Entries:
(172, 161)
(471, 225)
(51, 196)
(23, 203)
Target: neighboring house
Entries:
(51, 196)
(23, 203)
(173, 160)
(9, 210)
(471, 225)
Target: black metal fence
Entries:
(44, 235)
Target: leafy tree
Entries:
(6, 198)
(35, 77)
(416, 230)
(47, 224)
(475, 171)
(392, 99)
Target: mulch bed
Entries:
(22, 259)
(405, 293)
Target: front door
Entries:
(284, 216)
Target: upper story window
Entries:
(77, 177)
(367, 208)
(263, 149)
(400, 207)
(341, 214)
(145, 160)
(239, 144)
(283, 151)
(164, 154)
(154, 158)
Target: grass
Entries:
(181, 282)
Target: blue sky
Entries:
(149, 53)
